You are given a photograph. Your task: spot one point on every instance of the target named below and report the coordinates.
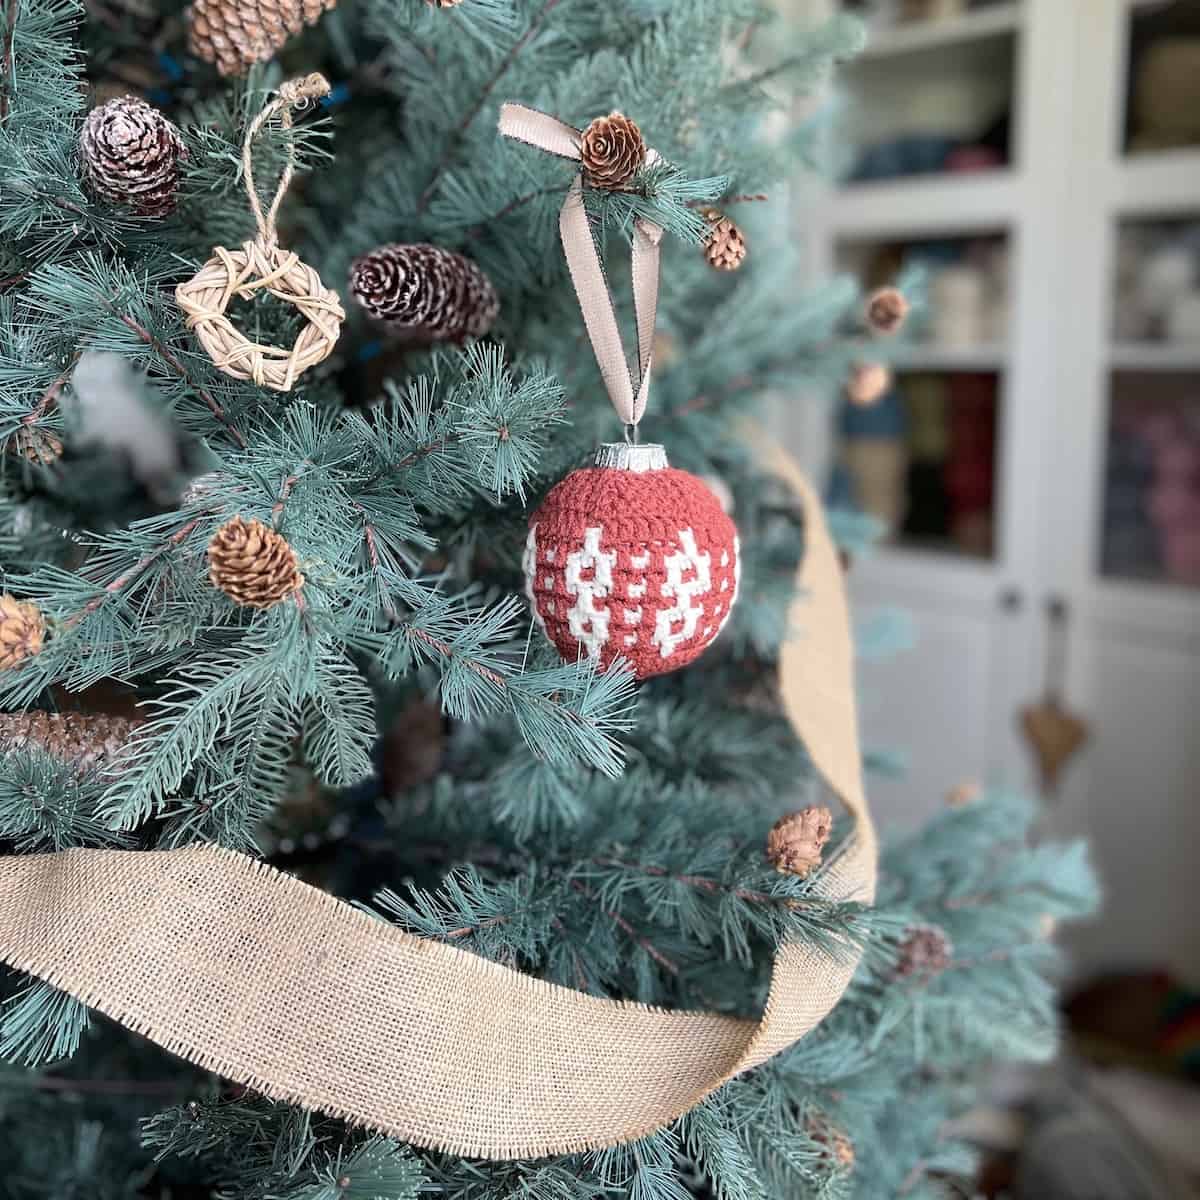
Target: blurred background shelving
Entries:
(1039, 162)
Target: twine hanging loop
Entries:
(262, 265)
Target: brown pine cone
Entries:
(426, 291)
(867, 383)
(886, 310)
(36, 445)
(964, 793)
(839, 1146)
(611, 150)
(725, 249)
(236, 34)
(21, 631)
(252, 564)
(84, 740)
(131, 154)
(926, 951)
(795, 842)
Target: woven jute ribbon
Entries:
(262, 265)
(279, 986)
(628, 396)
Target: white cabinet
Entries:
(1092, 405)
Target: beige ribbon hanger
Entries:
(280, 987)
(587, 271)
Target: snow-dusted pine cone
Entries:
(611, 150)
(21, 631)
(725, 249)
(131, 154)
(236, 34)
(252, 564)
(85, 740)
(795, 842)
(425, 290)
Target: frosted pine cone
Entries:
(21, 631)
(795, 842)
(725, 249)
(252, 564)
(131, 154)
(611, 150)
(886, 310)
(86, 741)
(425, 290)
(236, 34)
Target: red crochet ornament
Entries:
(630, 558)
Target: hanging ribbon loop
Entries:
(628, 390)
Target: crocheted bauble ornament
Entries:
(630, 558)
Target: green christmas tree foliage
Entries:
(551, 816)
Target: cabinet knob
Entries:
(1010, 600)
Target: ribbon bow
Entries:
(587, 272)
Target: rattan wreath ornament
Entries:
(263, 265)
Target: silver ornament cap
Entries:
(627, 456)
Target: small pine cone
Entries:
(964, 793)
(886, 310)
(252, 564)
(839, 1146)
(926, 951)
(443, 3)
(86, 741)
(867, 383)
(611, 149)
(236, 34)
(21, 631)
(36, 445)
(131, 154)
(426, 291)
(725, 249)
(795, 842)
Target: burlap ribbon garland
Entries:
(276, 985)
(289, 991)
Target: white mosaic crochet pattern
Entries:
(588, 574)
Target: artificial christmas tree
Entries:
(573, 841)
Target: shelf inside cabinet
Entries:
(929, 356)
(1154, 356)
(916, 36)
(945, 204)
(1157, 184)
